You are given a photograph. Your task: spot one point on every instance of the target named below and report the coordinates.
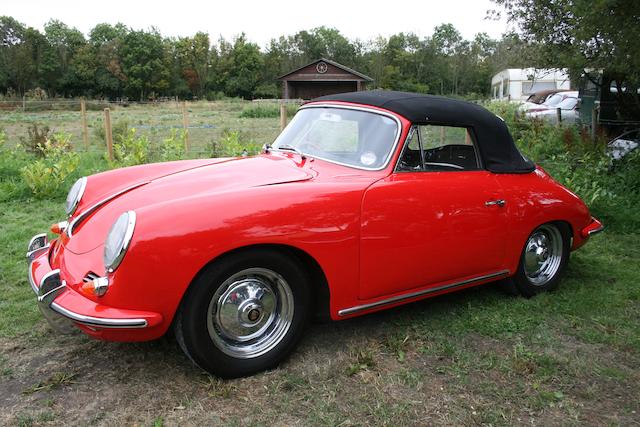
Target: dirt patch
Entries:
(348, 373)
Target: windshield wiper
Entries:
(285, 148)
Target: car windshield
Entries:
(356, 138)
(568, 103)
(553, 100)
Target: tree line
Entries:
(116, 62)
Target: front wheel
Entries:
(244, 313)
(543, 259)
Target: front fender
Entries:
(173, 242)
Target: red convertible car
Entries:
(365, 201)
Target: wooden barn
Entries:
(322, 77)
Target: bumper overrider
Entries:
(65, 309)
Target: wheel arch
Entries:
(319, 285)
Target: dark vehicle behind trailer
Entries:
(615, 102)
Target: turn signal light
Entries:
(97, 286)
(59, 227)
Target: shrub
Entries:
(173, 147)
(47, 175)
(36, 139)
(573, 159)
(232, 144)
(129, 149)
(119, 130)
(258, 111)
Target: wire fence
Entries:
(206, 123)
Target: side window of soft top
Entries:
(439, 148)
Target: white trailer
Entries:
(516, 84)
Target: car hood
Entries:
(209, 180)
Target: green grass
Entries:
(207, 123)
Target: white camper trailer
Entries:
(516, 84)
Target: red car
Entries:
(366, 201)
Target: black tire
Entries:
(529, 281)
(209, 338)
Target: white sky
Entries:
(263, 20)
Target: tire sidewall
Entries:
(194, 308)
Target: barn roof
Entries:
(495, 143)
(335, 64)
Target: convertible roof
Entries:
(495, 143)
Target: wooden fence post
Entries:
(185, 125)
(594, 122)
(283, 116)
(107, 133)
(559, 115)
(85, 129)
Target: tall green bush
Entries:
(130, 149)
(48, 175)
(233, 143)
(173, 147)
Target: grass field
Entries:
(206, 123)
(477, 357)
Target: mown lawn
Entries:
(476, 357)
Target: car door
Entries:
(438, 218)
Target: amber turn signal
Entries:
(97, 286)
(59, 227)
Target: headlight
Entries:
(118, 239)
(75, 195)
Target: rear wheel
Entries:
(244, 313)
(543, 259)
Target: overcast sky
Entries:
(263, 20)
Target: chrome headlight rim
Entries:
(123, 241)
(72, 205)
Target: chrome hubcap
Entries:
(250, 313)
(543, 255)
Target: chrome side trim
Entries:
(100, 322)
(366, 110)
(95, 206)
(400, 298)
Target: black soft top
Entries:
(495, 143)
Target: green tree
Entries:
(240, 67)
(63, 44)
(106, 44)
(144, 64)
(581, 34)
(193, 56)
(12, 35)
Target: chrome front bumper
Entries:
(50, 286)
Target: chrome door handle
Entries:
(498, 202)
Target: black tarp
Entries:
(498, 151)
